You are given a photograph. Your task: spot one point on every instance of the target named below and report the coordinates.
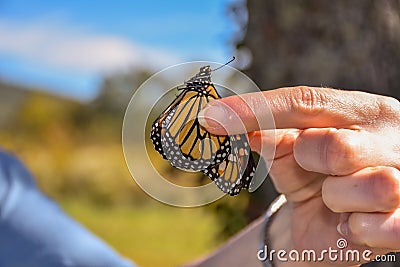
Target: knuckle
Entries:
(340, 152)
(308, 100)
(390, 103)
(386, 185)
(388, 107)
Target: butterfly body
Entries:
(178, 136)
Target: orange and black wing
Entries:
(157, 129)
(177, 134)
(237, 170)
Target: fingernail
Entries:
(213, 116)
(343, 228)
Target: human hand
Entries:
(337, 159)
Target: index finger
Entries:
(293, 107)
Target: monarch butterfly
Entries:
(178, 136)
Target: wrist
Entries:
(269, 218)
(278, 236)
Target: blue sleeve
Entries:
(35, 232)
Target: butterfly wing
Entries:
(237, 170)
(177, 134)
(157, 130)
(179, 138)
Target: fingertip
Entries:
(212, 118)
(343, 226)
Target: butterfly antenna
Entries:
(233, 58)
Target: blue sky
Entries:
(67, 46)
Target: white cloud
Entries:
(59, 46)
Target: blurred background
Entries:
(69, 68)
